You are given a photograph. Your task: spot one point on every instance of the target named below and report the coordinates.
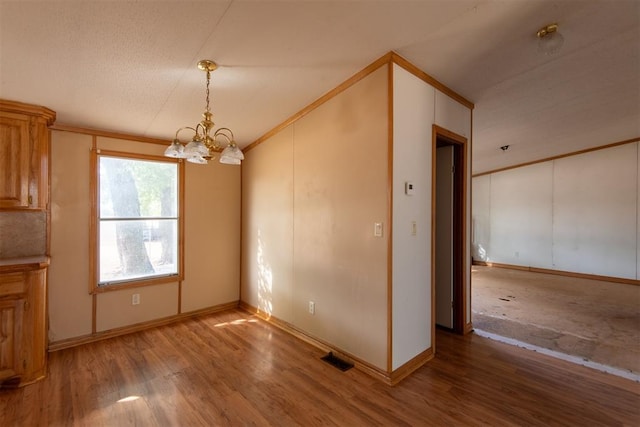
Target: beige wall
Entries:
(413, 117)
(212, 235)
(581, 215)
(311, 196)
(267, 200)
(70, 304)
(417, 105)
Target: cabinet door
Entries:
(15, 154)
(10, 337)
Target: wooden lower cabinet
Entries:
(23, 340)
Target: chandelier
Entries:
(204, 144)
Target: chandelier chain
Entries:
(208, 79)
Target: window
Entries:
(137, 224)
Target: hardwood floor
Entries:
(234, 369)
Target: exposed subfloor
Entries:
(594, 320)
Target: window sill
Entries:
(136, 283)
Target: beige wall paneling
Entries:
(127, 146)
(267, 200)
(595, 211)
(522, 216)
(481, 223)
(212, 242)
(212, 228)
(70, 305)
(212, 236)
(413, 112)
(452, 115)
(570, 214)
(340, 191)
(114, 308)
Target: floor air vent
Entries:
(335, 361)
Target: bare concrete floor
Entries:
(594, 320)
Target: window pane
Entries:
(137, 188)
(131, 249)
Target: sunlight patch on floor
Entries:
(128, 399)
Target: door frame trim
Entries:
(460, 144)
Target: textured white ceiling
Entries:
(130, 66)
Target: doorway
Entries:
(448, 243)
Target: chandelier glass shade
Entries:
(204, 141)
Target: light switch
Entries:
(409, 188)
(414, 228)
(377, 229)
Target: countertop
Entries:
(24, 263)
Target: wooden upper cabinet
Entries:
(14, 161)
(24, 155)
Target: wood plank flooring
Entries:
(231, 368)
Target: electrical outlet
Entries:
(135, 299)
(312, 307)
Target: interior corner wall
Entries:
(212, 235)
(417, 106)
(577, 214)
(311, 196)
(212, 248)
(413, 116)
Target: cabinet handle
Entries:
(26, 305)
(30, 199)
